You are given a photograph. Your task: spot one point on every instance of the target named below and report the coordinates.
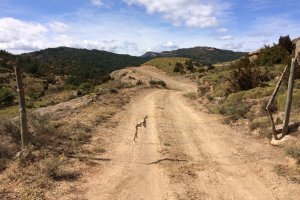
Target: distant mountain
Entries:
(206, 55)
(151, 54)
(82, 64)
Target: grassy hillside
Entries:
(55, 75)
(165, 64)
(204, 55)
(82, 64)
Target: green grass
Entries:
(9, 112)
(297, 84)
(295, 102)
(258, 92)
(233, 107)
(262, 122)
(166, 64)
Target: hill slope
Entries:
(205, 55)
(83, 63)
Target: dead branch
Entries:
(167, 159)
(142, 123)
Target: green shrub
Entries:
(262, 122)
(11, 129)
(6, 96)
(189, 65)
(178, 67)
(258, 92)
(246, 76)
(286, 43)
(157, 83)
(86, 86)
(113, 91)
(271, 55)
(203, 89)
(54, 168)
(295, 101)
(233, 107)
(191, 95)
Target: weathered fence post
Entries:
(23, 117)
(289, 98)
(271, 102)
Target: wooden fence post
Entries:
(288, 103)
(23, 117)
(271, 102)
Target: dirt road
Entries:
(180, 153)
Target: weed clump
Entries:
(55, 169)
(233, 107)
(294, 152)
(158, 83)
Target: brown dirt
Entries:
(181, 154)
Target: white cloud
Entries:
(222, 30)
(97, 3)
(233, 46)
(21, 36)
(192, 13)
(166, 46)
(57, 26)
(169, 45)
(226, 37)
(12, 30)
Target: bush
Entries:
(295, 101)
(178, 67)
(246, 76)
(233, 107)
(11, 129)
(271, 55)
(6, 96)
(189, 65)
(113, 91)
(286, 43)
(86, 86)
(157, 83)
(54, 168)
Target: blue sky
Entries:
(136, 26)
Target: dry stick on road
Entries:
(271, 102)
(142, 123)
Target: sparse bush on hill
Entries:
(286, 43)
(189, 65)
(55, 169)
(6, 96)
(178, 67)
(246, 76)
(157, 83)
(86, 87)
(295, 103)
(271, 55)
(233, 107)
